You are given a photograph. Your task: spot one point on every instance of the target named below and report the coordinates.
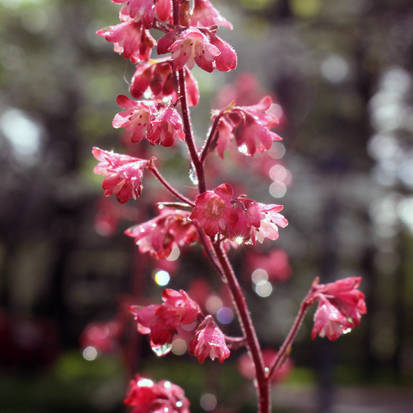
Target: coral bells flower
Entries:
(149, 120)
(271, 219)
(161, 321)
(340, 307)
(204, 48)
(158, 236)
(164, 10)
(209, 341)
(130, 39)
(205, 15)
(147, 396)
(249, 126)
(158, 76)
(123, 174)
(141, 11)
(218, 212)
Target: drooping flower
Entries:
(166, 126)
(159, 235)
(161, 321)
(164, 10)
(209, 341)
(158, 76)
(147, 396)
(149, 120)
(202, 47)
(141, 11)
(130, 39)
(248, 126)
(271, 219)
(123, 174)
(340, 307)
(218, 212)
(205, 15)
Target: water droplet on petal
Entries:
(179, 404)
(161, 350)
(347, 330)
(243, 149)
(192, 175)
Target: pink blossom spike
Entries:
(130, 39)
(123, 174)
(209, 341)
(205, 15)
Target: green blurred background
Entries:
(342, 71)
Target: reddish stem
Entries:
(247, 326)
(169, 187)
(205, 149)
(285, 348)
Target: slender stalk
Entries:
(285, 348)
(169, 187)
(209, 141)
(247, 326)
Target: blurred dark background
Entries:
(342, 72)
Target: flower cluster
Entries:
(178, 314)
(218, 213)
(145, 396)
(340, 307)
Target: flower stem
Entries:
(210, 139)
(247, 326)
(169, 187)
(285, 348)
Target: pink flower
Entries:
(158, 236)
(271, 219)
(123, 174)
(161, 321)
(149, 120)
(141, 11)
(209, 341)
(249, 126)
(159, 77)
(247, 369)
(136, 118)
(147, 396)
(131, 39)
(167, 126)
(275, 263)
(203, 47)
(340, 307)
(205, 15)
(102, 336)
(218, 212)
(164, 10)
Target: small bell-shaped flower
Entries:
(158, 236)
(130, 39)
(141, 11)
(205, 15)
(340, 307)
(209, 341)
(123, 174)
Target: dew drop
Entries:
(192, 175)
(179, 404)
(347, 330)
(243, 149)
(162, 350)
